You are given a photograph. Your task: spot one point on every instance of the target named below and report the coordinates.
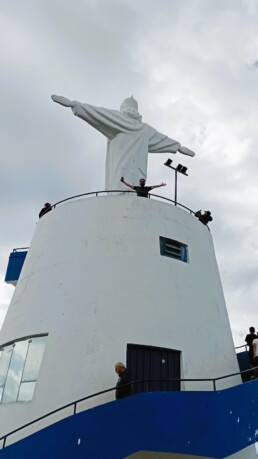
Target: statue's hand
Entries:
(62, 101)
(186, 151)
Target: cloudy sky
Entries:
(193, 67)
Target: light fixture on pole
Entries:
(180, 168)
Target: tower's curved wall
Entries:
(94, 280)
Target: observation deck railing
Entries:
(121, 192)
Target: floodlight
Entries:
(168, 162)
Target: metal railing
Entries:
(17, 249)
(105, 192)
(133, 383)
(239, 347)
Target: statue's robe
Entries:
(128, 145)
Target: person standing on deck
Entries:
(249, 341)
(141, 190)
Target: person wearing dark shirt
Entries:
(122, 390)
(141, 190)
(249, 341)
(47, 207)
(204, 217)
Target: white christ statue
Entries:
(128, 139)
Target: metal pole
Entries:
(175, 187)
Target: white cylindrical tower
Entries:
(106, 272)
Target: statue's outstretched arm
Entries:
(160, 143)
(62, 101)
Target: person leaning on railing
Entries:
(204, 217)
(47, 207)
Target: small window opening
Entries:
(173, 249)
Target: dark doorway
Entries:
(153, 363)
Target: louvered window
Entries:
(173, 249)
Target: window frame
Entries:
(24, 361)
(178, 250)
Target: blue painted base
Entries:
(214, 424)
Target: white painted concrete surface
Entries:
(94, 280)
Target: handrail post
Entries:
(175, 187)
(74, 408)
(214, 384)
(4, 442)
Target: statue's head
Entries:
(130, 108)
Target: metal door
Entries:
(153, 363)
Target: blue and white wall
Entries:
(222, 424)
(94, 280)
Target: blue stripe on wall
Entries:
(214, 424)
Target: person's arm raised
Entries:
(158, 186)
(126, 183)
